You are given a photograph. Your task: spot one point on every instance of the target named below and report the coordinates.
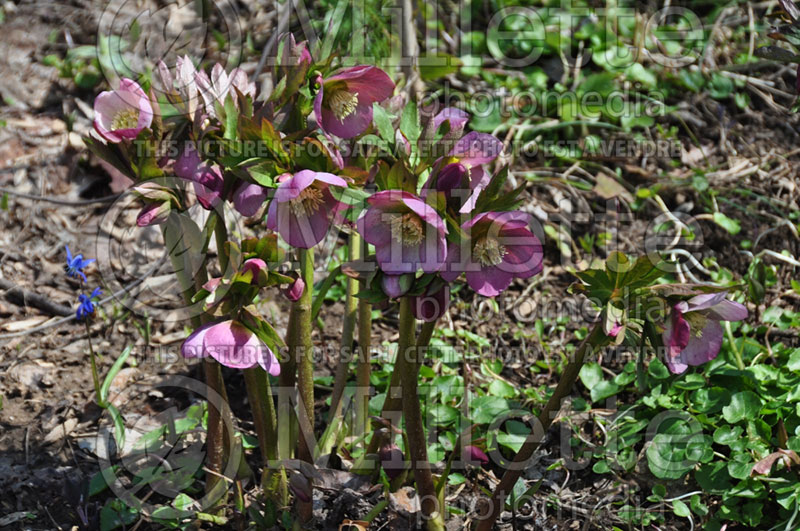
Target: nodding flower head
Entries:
(343, 105)
(462, 170)
(500, 248)
(407, 233)
(123, 113)
(232, 344)
(75, 264)
(692, 332)
(206, 177)
(303, 207)
(86, 304)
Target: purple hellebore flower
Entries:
(473, 454)
(303, 207)
(457, 118)
(301, 487)
(232, 344)
(462, 170)
(207, 178)
(392, 460)
(430, 306)
(395, 286)
(501, 247)
(294, 53)
(295, 290)
(123, 113)
(692, 334)
(75, 264)
(154, 214)
(253, 266)
(407, 233)
(248, 198)
(343, 105)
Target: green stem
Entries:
(301, 349)
(364, 365)
(95, 376)
(432, 510)
(181, 257)
(737, 354)
(596, 339)
(348, 329)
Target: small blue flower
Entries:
(76, 264)
(86, 307)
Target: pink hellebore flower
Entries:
(501, 247)
(207, 178)
(407, 233)
(395, 286)
(462, 170)
(181, 90)
(248, 198)
(343, 105)
(294, 53)
(219, 85)
(154, 214)
(232, 344)
(692, 334)
(457, 118)
(473, 454)
(295, 290)
(303, 207)
(253, 266)
(123, 113)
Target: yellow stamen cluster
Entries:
(697, 322)
(127, 119)
(342, 103)
(488, 251)
(408, 229)
(308, 202)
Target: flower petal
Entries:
(705, 347)
(233, 345)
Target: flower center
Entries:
(697, 322)
(407, 228)
(342, 103)
(127, 119)
(307, 202)
(488, 251)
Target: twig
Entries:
(23, 297)
(71, 317)
(64, 202)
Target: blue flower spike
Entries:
(76, 264)
(86, 306)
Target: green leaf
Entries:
(112, 373)
(119, 425)
(681, 509)
(486, 409)
(438, 67)
(502, 389)
(727, 434)
(442, 415)
(666, 456)
(384, 123)
(604, 390)
(591, 374)
(116, 514)
(744, 405)
(409, 123)
(730, 225)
